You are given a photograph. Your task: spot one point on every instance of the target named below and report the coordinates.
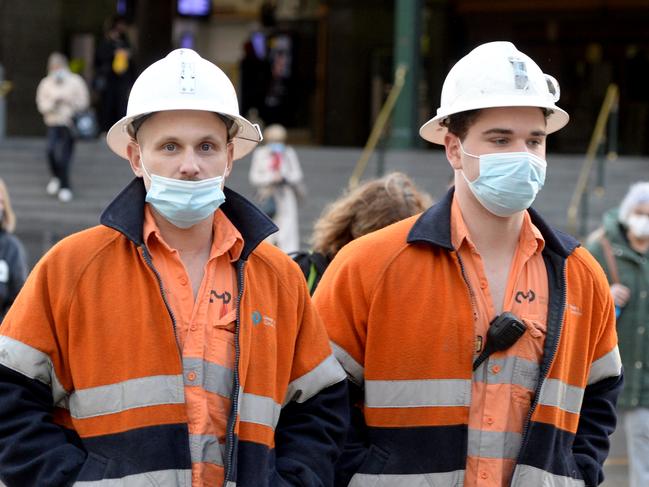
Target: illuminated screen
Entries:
(195, 8)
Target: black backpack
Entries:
(312, 265)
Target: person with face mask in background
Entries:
(13, 258)
(479, 342)
(171, 345)
(621, 246)
(276, 173)
(59, 96)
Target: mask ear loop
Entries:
(143, 166)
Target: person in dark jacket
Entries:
(13, 258)
(171, 345)
(622, 248)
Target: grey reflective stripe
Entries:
(354, 369)
(325, 374)
(513, 370)
(259, 409)
(229, 483)
(177, 478)
(451, 479)
(610, 365)
(494, 444)
(526, 476)
(130, 394)
(417, 393)
(561, 395)
(206, 449)
(32, 363)
(210, 376)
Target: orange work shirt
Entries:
(205, 331)
(503, 386)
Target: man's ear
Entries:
(228, 167)
(133, 153)
(453, 150)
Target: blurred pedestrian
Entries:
(372, 205)
(622, 248)
(171, 345)
(479, 342)
(59, 97)
(114, 73)
(277, 175)
(13, 258)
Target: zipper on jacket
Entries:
(229, 460)
(147, 259)
(545, 370)
(474, 306)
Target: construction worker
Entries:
(479, 343)
(170, 345)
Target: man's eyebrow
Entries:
(499, 131)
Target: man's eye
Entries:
(170, 147)
(206, 147)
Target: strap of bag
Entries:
(610, 259)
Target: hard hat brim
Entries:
(246, 138)
(433, 132)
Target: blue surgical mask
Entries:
(276, 147)
(184, 203)
(508, 181)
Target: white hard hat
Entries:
(184, 81)
(495, 74)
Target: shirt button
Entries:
(638, 365)
(193, 327)
(641, 330)
(495, 369)
(489, 421)
(643, 294)
(483, 475)
(483, 283)
(634, 401)
(191, 376)
(183, 281)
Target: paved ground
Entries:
(98, 175)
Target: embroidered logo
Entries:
(528, 296)
(574, 309)
(226, 297)
(256, 317)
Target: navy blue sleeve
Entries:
(596, 423)
(356, 443)
(309, 438)
(33, 450)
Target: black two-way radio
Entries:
(504, 330)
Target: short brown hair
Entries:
(459, 124)
(369, 207)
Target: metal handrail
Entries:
(379, 125)
(610, 101)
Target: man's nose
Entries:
(189, 167)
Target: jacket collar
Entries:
(434, 227)
(126, 215)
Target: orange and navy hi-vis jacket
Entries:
(398, 311)
(91, 378)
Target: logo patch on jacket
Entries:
(258, 318)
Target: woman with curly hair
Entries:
(367, 208)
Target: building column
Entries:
(407, 31)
